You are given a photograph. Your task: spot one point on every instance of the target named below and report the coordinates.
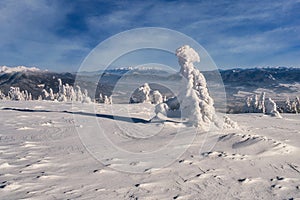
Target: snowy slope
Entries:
(42, 156)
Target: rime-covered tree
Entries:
(2, 95)
(141, 95)
(261, 103)
(78, 93)
(156, 97)
(107, 100)
(271, 108)
(196, 105)
(86, 98)
(61, 92)
(195, 102)
(297, 100)
(15, 94)
(287, 106)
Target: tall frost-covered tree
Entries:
(261, 103)
(196, 104)
(61, 92)
(254, 104)
(51, 95)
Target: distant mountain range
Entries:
(34, 80)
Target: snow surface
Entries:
(43, 157)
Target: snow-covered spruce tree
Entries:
(247, 106)
(2, 95)
(294, 107)
(107, 100)
(254, 104)
(68, 93)
(156, 97)
(40, 98)
(86, 98)
(61, 96)
(297, 100)
(78, 94)
(15, 94)
(261, 103)
(27, 96)
(141, 95)
(287, 108)
(196, 105)
(45, 95)
(271, 108)
(30, 97)
(145, 94)
(51, 95)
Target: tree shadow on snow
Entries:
(113, 117)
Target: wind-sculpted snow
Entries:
(42, 157)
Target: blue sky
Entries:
(59, 34)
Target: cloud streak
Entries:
(59, 34)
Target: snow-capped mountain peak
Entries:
(5, 69)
